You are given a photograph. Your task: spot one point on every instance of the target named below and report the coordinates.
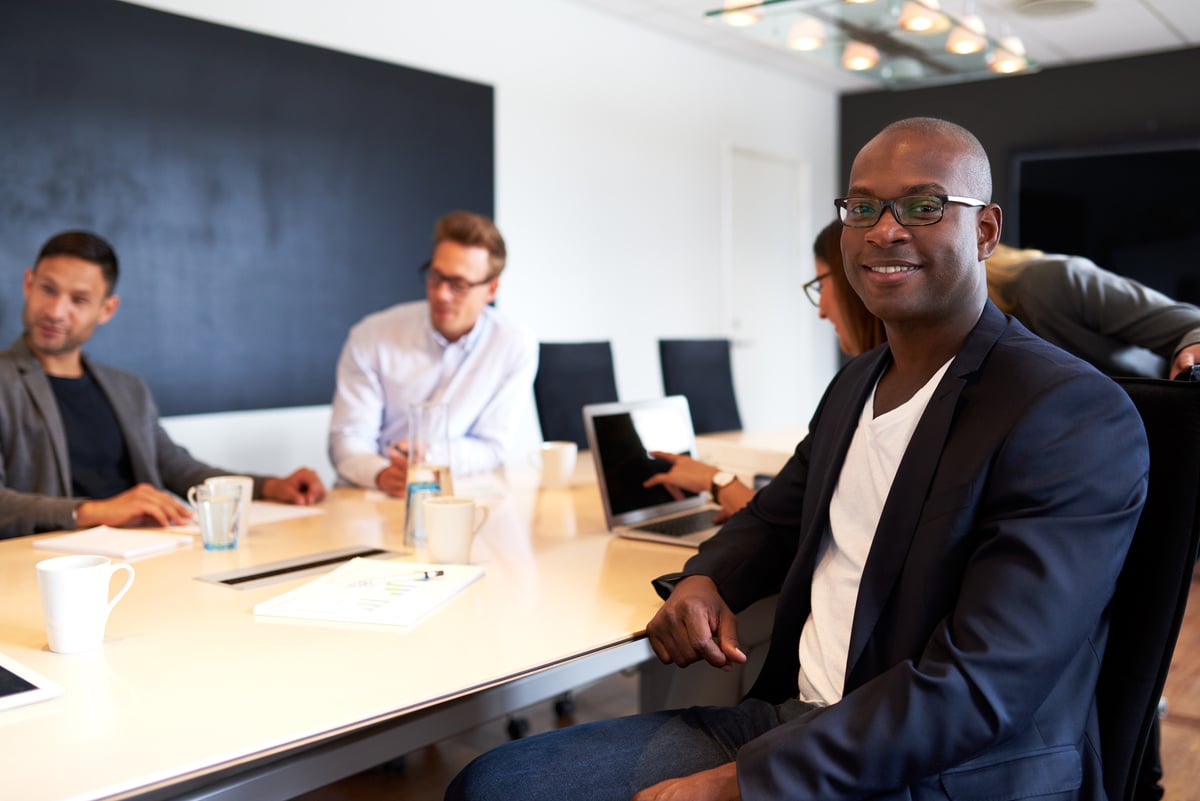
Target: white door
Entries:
(768, 244)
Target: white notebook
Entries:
(122, 543)
(395, 593)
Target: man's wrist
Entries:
(75, 514)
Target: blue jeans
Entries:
(613, 759)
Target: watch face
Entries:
(722, 479)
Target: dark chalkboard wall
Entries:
(261, 195)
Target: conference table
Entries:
(194, 696)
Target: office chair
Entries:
(1151, 595)
(570, 375)
(700, 369)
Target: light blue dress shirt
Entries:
(394, 358)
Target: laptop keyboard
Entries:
(683, 525)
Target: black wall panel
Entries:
(261, 195)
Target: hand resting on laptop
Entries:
(691, 475)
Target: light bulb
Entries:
(1008, 57)
(859, 56)
(806, 33)
(967, 37)
(923, 16)
(738, 14)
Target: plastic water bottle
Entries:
(422, 484)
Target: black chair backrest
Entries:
(700, 370)
(570, 375)
(1151, 596)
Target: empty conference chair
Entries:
(1151, 595)
(571, 375)
(700, 370)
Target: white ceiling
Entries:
(1108, 29)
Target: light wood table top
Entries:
(189, 683)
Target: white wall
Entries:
(610, 141)
(265, 441)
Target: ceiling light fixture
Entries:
(1052, 7)
(738, 14)
(859, 56)
(969, 35)
(807, 33)
(1008, 56)
(923, 16)
(896, 43)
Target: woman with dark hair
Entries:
(858, 331)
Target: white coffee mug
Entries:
(75, 599)
(450, 527)
(558, 464)
(243, 487)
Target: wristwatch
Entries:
(721, 480)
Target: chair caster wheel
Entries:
(517, 728)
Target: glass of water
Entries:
(217, 512)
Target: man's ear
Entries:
(108, 307)
(991, 220)
(28, 285)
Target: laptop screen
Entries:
(621, 436)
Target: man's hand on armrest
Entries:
(695, 623)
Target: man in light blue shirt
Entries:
(452, 347)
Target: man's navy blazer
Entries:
(980, 621)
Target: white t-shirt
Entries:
(866, 478)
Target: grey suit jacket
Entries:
(980, 619)
(35, 470)
(1120, 326)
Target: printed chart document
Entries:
(373, 591)
(123, 543)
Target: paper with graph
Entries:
(392, 593)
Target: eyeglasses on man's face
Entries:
(458, 286)
(909, 211)
(813, 289)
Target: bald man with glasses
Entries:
(453, 347)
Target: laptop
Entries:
(620, 437)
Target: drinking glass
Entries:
(428, 465)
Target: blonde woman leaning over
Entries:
(1117, 324)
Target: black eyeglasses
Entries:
(813, 289)
(909, 211)
(458, 286)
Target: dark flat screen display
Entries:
(1119, 206)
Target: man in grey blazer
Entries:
(80, 442)
(944, 544)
